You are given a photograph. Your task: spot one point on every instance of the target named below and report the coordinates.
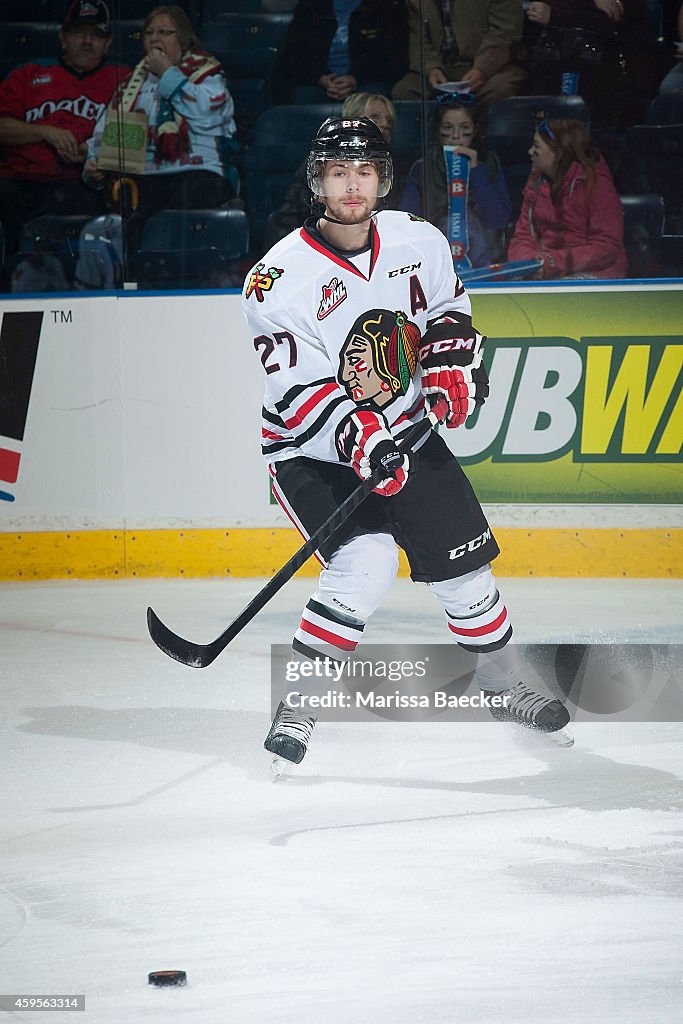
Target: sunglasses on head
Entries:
(449, 99)
(544, 126)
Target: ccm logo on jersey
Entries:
(404, 270)
(334, 294)
(470, 545)
(446, 345)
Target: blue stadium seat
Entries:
(252, 96)
(248, 73)
(53, 233)
(48, 253)
(511, 122)
(406, 141)
(654, 155)
(241, 63)
(282, 140)
(245, 31)
(22, 41)
(191, 249)
(224, 230)
(292, 126)
(510, 128)
(666, 109)
(643, 229)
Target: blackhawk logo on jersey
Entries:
(378, 358)
(262, 280)
(334, 293)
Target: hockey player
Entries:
(359, 318)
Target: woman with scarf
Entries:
(488, 202)
(571, 215)
(179, 93)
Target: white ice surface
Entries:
(407, 873)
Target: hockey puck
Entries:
(160, 978)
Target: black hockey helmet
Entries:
(358, 139)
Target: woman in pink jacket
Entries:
(571, 214)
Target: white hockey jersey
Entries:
(335, 333)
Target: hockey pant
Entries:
(359, 574)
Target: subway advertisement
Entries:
(119, 410)
(585, 401)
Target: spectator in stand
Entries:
(609, 44)
(476, 45)
(571, 214)
(297, 205)
(336, 47)
(47, 113)
(190, 125)
(673, 81)
(488, 202)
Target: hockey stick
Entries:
(201, 655)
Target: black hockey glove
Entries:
(364, 440)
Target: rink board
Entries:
(93, 554)
(129, 435)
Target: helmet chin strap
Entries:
(331, 220)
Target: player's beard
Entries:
(340, 211)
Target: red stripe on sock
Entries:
(481, 630)
(329, 638)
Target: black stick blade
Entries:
(201, 655)
(184, 651)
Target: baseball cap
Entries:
(93, 12)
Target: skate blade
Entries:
(561, 738)
(278, 768)
(536, 739)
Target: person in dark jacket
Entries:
(610, 47)
(488, 202)
(571, 215)
(336, 47)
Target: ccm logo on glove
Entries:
(446, 345)
(452, 368)
(364, 440)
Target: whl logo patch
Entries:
(19, 339)
(334, 294)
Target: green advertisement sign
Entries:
(585, 402)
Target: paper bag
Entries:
(124, 142)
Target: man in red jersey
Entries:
(48, 111)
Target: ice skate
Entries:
(288, 737)
(526, 707)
